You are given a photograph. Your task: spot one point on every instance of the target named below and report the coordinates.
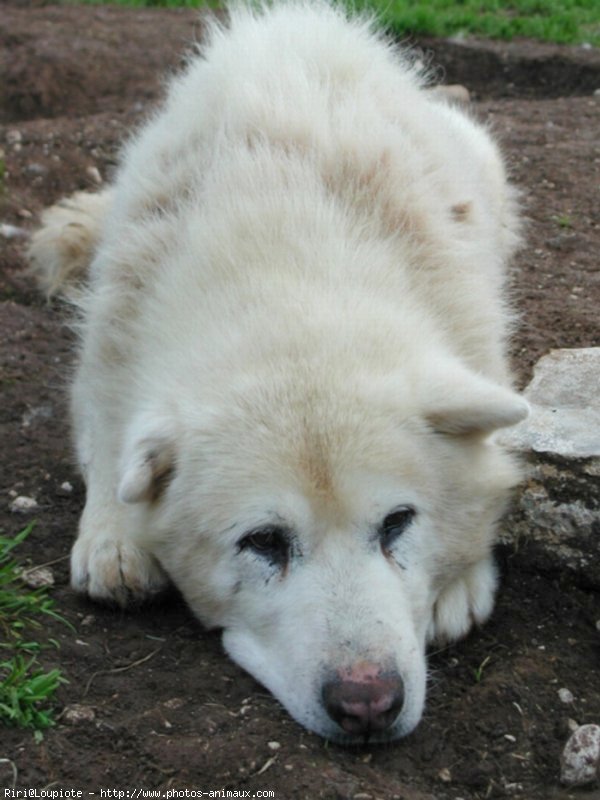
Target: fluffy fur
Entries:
(294, 325)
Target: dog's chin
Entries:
(334, 734)
(317, 721)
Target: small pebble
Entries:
(36, 169)
(11, 231)
(445, 775)
(23, 505)
(38, 577)
(274, 745)
(65, 489)
(580, 760)
(566, 696)
(37, 414)
(94, 174)
(454, 93)
(76, 714)
(510, 738)
(174, 702)
(14, 136)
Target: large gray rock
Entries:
(565, 404)
(557, 511)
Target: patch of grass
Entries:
(563, 221)
(560, 21)
(26, 691)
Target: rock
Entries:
(174, 702)
(565, 403)
(580, 760)
(76, 714)
(38, 577)
(36, 169)
(37, 414)
(566, 696)
(453, 93)
(14, 136)
(23, 505)
(94, 174)
(556, 518)
(445, 775)
(12, 231)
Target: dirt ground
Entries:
(165, 708)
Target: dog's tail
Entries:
(62, 249)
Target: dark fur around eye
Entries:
(271, 543)
(394, 525)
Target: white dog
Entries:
(293, 355)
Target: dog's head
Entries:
(331, 533)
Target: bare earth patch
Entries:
(163, 707)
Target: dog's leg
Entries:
(467, 601)
(108, 562)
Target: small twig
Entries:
(119, 669)
(41, 566)
(268, 763)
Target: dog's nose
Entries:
(364, 699)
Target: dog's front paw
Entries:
(112, 570)
(468, 600)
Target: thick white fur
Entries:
(295, 317)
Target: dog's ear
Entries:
(148, 460)
(467, 403)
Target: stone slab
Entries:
(565, 406)
(556, 517)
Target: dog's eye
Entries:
(271, 543)
(395, 524)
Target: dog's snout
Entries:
(363, 699)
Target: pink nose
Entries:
(364, 699)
